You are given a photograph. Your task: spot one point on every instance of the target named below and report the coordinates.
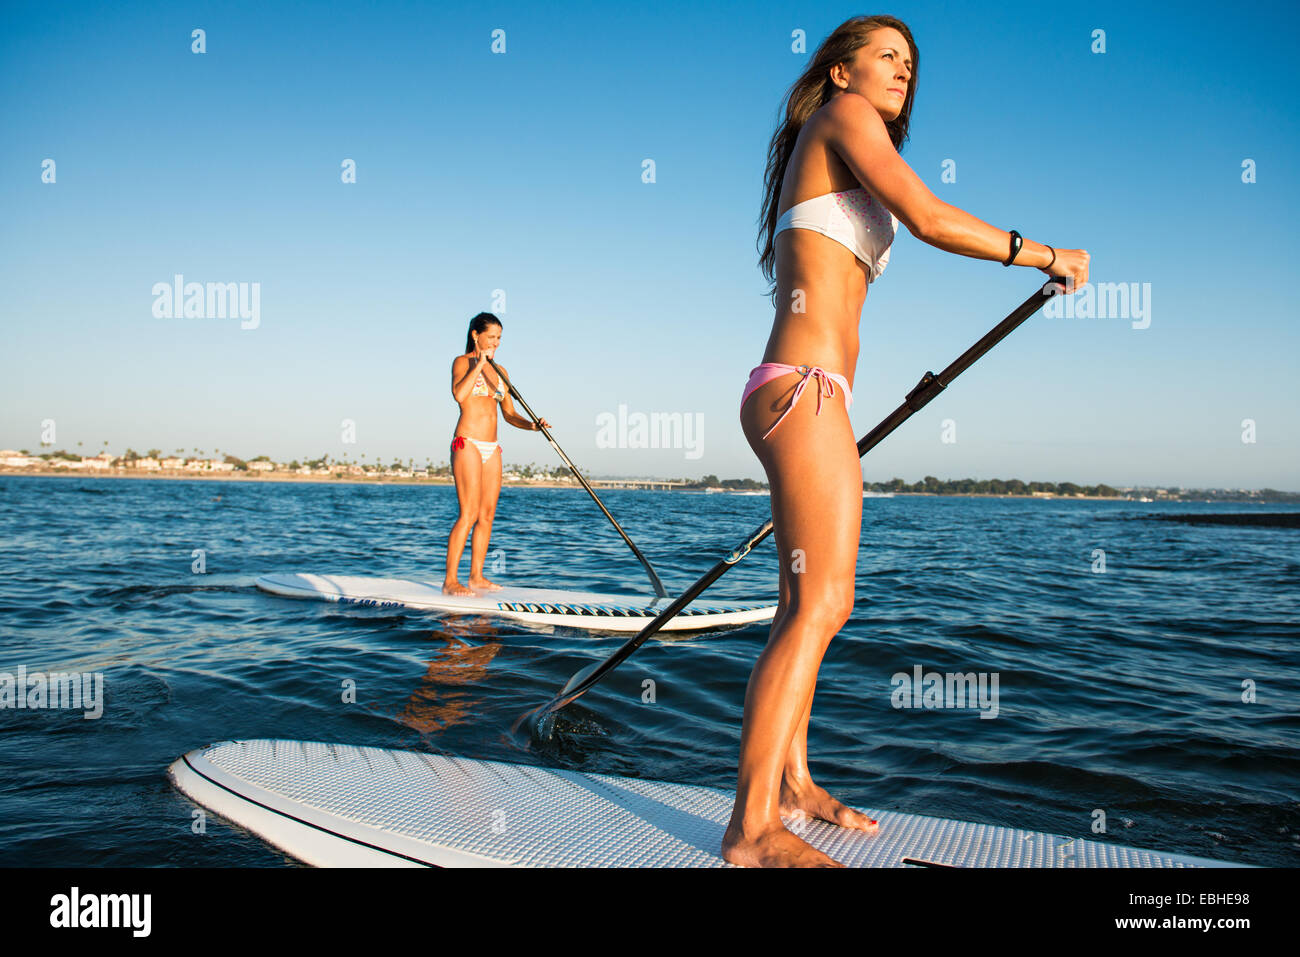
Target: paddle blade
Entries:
(579, 678)
(538, 724)
(540, 721)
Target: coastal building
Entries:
(208, 465)
(96, 463)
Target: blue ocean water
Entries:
(1119, 690)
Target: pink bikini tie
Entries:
(825, 386)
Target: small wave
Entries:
(162, 591)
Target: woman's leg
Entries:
(799, 794)
(465, 470)
(816, 481)
(487, 508)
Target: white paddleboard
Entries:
(344, 806)
(538, 606)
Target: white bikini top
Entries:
(851, 217)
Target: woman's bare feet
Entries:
(813, 801)
(776, 847)
(482, 584)
(456, 588)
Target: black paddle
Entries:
(654, 579)
(543, 716)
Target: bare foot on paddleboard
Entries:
(482, 584)
(813, 801)
(773, 848)
(456, 588)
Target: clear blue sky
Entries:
(522, 172)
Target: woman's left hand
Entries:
(543, 424)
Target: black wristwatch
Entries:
(1016, 243)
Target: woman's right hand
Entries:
(1070, 265)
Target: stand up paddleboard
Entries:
(344, 806)
(538, 606)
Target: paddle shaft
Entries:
(654, 579)
(925, 390)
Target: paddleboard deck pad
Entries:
(340, 805)
(538, 606)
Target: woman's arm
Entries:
(857, 134)
(514, 418)
(463, 385)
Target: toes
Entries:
(856, 819)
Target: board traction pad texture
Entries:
(442, 809)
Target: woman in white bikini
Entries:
(476, 462)
(836, 191)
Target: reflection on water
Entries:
(445, 694)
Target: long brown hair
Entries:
(479, 324)
(810, 93)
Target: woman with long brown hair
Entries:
(475, 453)
(836, 190)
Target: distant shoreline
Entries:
(256, 477)
(401, 480)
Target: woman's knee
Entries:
(828, 607)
